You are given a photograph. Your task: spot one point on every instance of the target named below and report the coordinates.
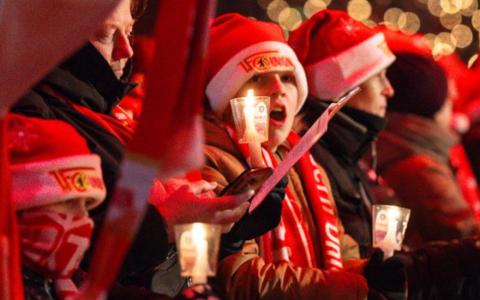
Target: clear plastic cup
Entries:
(389, 226)
(197, 247)
(251, 115)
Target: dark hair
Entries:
(420, 85)
(138, 7)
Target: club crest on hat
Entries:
(81, 179)
(267, 61)
(50, 163)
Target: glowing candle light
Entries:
(251, 134)
(249, 114)
(200, 268)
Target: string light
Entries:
(391, 17)
(468, 11)
(444, 44)
(274, 9)
(409, 23)
(463, 35)
(434, 7)
(311, 7)
(458, 17)
(450, 20)
(451, 6)
(289, 18)
(476, 20)
(370, 23)
(472, 60)
(429, 39)
(359, 9)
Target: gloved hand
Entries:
(263, 219)
(197, 292)
(387, 277)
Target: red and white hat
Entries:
(338, 52)
(241, 47)
(51, 163)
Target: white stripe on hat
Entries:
(233, 75)
(52, 181)
(332, 77)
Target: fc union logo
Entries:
(267, 61)
(78, 179)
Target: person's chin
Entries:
(276, 138)
(118, 73)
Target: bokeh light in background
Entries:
(447, 25)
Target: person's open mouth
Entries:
(278, 115)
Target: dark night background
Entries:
(252, 8)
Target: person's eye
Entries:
(106, 37)
(288, 78)
(255, 79)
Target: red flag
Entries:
(36, 35)
(11, 286)
(169, 137)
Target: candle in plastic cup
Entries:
(197, 247)
(251, 116)
(389, 226)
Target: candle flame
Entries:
(249, 101)
(198, 232)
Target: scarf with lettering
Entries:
(291, 241)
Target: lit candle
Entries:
(251, 134)
(201, 267)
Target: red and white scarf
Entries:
(291, 241)
(53, 244)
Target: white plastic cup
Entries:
(251, 115)
(389, 226)
(197, 247)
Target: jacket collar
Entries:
(87, 79)
(350, 132)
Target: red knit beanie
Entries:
(51, 163)
(338, 52)
(241, 47)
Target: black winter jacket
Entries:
(350, 134)
(86, 79)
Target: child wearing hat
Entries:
(304, 256)
(56, 180)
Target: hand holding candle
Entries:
(251, 115)
(389, 226)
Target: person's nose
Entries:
(276, 86)
(388, 90)
(79, 208)
(122, 47)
